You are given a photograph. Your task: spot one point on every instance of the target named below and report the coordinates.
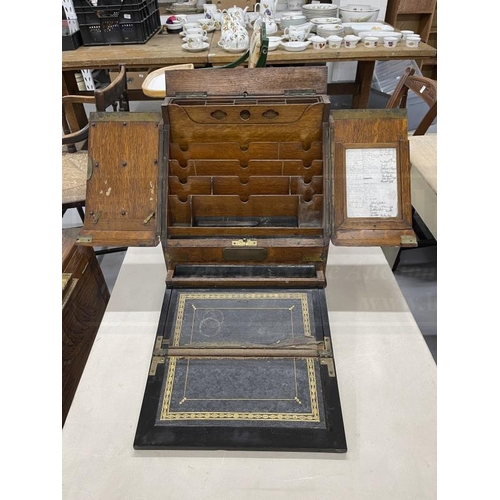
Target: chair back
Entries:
(425, 88)
(114, 94)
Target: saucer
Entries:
(205, 39)
(236, 51)
(204, 46)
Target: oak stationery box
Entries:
(85, 296)
(235, 178)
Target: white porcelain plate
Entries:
(359, 27)
(204, 46)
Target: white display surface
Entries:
(387, 383)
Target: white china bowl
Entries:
(354, 13)
(325, 30)
(357, 28)
(313, 10)
(334, 41)
(273, 45)
(295, 46)
(380, 34)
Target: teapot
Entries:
(234, 36)
(239, 14)
(214, 14)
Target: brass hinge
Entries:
(157, 360)
(407, 239)
(66, 277)
(84, 239)
(68, 285)
(244, 243)
(159, 349)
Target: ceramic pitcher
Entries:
(267, 11)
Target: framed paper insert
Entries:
(372, 205)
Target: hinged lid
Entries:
(124, 173)
(371, 178)
(247, 82)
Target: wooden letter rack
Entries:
(235, 178)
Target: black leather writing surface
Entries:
(262, 401)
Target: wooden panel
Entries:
(416, 6)
(244, 154)
(254, 185)
(239, 81)
(370, 130)
(85, 297)
(255, 167)
(256, 206)
(243, 122)
(122, 194)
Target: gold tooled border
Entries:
(167, 415)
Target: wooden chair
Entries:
(423, 87)
(154, 83)
(426, 89)
(74, 140)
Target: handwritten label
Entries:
(371, 182)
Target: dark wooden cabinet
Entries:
(85, 296)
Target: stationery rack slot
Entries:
(245, 152)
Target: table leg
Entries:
(77, 116)
(364, 77)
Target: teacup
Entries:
(206, 24)
(189, 26)
(405, 33)
(350, 41)
(318, 42)
(334, 41)
(370, 41)
(412, 41)
(390, 41)
(194, 41)
(195, 31)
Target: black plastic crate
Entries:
(115, 23)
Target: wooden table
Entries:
(165, 50)
(387, 382)
(423, 158)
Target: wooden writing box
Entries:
(85, 296)
(236, 183)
